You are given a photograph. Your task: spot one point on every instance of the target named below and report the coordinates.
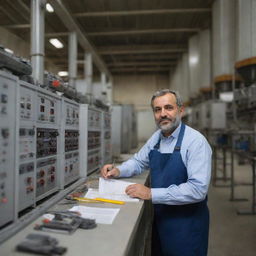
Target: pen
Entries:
(112, 167)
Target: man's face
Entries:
(167, 113)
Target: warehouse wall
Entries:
(179, 78)
(138, 90)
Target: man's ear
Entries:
(182, 110)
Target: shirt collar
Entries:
(175, 133)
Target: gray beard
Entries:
(170, 127)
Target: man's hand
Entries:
(109, 171)
(139, 191)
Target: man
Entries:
(179, 159)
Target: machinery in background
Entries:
(41, 150)
(106, 141)
(17, 65)
(90, 139)
(245, 97)
(26, 145)
(48, 143)
(48, 120)
(123, 129)
(50, 136)
(8, 132)
(116, 130)
(39, 145)
(245, 103)
(69, 142)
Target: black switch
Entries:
(5, 133)
(4, 98)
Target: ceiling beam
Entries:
(141, 69)
(71, 24)
(131, 32)
(153, 56)
(141, 63)
(56, 34)
(128, 61)
(140, 49)
(144, 31)
(16, 26)
(141, 57)
(142, 12)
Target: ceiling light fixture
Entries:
(56, 43)
(63, 73)
(9, 50)
(49, 8)
(193, 60)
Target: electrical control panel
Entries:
(107, 149)
(71, 169)
(116, 130)
(46, 177)
(8, 133)
(106, 138)
(94, 158)
(26, 168)
(94, 139)
(90, 139)
(69, 142)
(26, 143)
(48, 108)
(46, 146)
(48, 149)
(46, 142)
(26, 185)
(94, 119)
(27, 101)
(71, 113)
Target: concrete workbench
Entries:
(128, 235)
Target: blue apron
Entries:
(178, 230)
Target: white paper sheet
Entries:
(112, 186)
(100, 215)
(115, 189)
(94, 193)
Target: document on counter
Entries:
(94, 193)
(100, 215)
(111, 189)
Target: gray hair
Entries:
(165, 91)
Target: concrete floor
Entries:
(232, 234)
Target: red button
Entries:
(4, 200)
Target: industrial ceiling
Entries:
(127, 37)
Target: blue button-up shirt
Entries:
(196, 155)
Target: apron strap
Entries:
(157, 146)
(180, 137)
